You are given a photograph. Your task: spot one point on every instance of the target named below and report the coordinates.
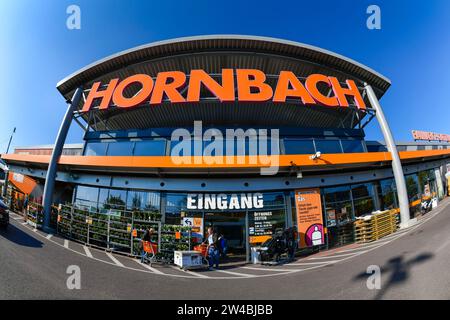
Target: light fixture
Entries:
(316, 155)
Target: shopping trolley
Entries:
(203, 249)
(150, 250)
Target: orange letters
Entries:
(251, 87)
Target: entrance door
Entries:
(232, 226)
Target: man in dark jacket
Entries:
(212, 240)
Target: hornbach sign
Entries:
(430, 136)
(242, 85)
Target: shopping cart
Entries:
(150, 250)
(203, 249)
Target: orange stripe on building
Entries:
(212, 162)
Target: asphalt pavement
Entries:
(413, 265)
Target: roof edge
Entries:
(221, 37)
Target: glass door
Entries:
(231, 225)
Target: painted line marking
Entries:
(87, 251)
(148, 267)
(362, 247)
(49, 236)
(244, 275)
(66, 243)
(313, 263)
(268, 269)
(199, 275)
(114, 259)
(358, 249)
(338, 255)
(24, 223)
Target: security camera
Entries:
(316, 155)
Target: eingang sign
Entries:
(242, 85)
(225, 202)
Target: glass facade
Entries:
(104, 199)
(414, 196)
(328, 146)
(108, 147)
(387, 195)
(96, 149)
(299, 146)
(352, 146)
(341, 206)
(150, 148)
(157, 147)
(363, 199)
(123, 148)
(338, 205)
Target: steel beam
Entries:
(56, 153)
(396, 163)
(5, 184)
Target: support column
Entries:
(399, 177)
(5, 184)
(57, 150)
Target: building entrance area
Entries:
(232, 225)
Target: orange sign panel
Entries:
(309, 217)
(251, 86)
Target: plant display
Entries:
(169, 241)
(112, 229)
(34, 213)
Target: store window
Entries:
(175, 206)
(144, 201)
(387, 194)
(363, 199)
(414, 196)
(150, 148)
(181, 148)
(299, 146)
(87, 197)
(273, 199)
(116, 199)
(328, 146)
(102, 200)
(96, 149)
(120, 148)
(352, 146)
(338, 205)
(427, 182)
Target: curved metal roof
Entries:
(213, 43)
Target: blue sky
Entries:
(37, 50)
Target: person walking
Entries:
(212, 241)
(223, 246)
(25, 205)
(146, 238)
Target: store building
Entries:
(131, 104)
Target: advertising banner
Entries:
(309, 217)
